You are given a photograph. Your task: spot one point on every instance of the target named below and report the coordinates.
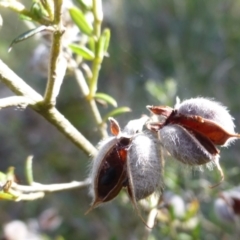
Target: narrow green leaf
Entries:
(101, 47)
(25, 17)
(82, 51)
(28, 170)
(116, 112)
(107, 35)
(38, 10)
(81, 21)
(49, 7)
(26, 35)
(106, 98)
(103, 43)
(6, 196)
(91, 44)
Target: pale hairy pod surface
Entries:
(135, 126)
(183, 146)
(144, 166)
(209, 109)
(110, 171)
(104, 147)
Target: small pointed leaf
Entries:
(81, 21)
(102, 44)
(26, 35)
(91, 44)
(82, 51)
(38, 10)
(107, 35)
(106, 98)
(6, 196)
(116, 112)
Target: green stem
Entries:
(55, 72)
(37, 187)
(19, 87)
(64, 126)
(94, 80)
(98, 17)
(58, 11)
(91, 102)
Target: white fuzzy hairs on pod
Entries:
(209, 109)
(105, 146)
(184, 146)
(135, 126)
(142, 174)
(144, 165)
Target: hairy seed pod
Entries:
(191, 131)
(209, 109)
(144, 166)
(108, 172)
(185, 147)
(129, 159)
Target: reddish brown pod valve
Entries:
(129, 159)
(192, 129)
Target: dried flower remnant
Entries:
(191, 131)
(129, 159)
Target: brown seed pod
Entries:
(191, 130)
(108, 172)
(211, 110)
(129, 159)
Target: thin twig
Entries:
(15, 101)
(57, 65)
(37, 187)
(89, 92)
(30, 196)
(37, 190)
(84, 89)
(19, 87)
(98, 17)
(64, 126)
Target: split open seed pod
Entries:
(210, 110)
(130, 159)
(191, 131)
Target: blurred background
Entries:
(159, 50)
